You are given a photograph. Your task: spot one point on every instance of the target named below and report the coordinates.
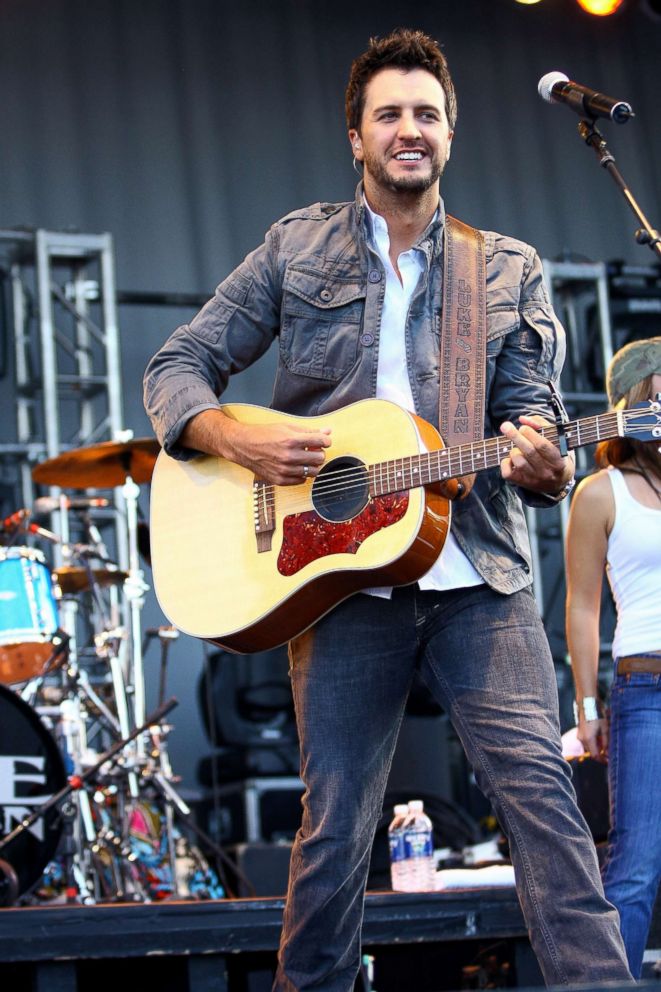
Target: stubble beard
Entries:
(403, 184)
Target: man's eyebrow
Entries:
(398, 106)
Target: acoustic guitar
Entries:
(248, 565)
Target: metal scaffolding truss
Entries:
(579, 293)
(66, 348)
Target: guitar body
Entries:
(250, 567)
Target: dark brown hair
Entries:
(619, 450)
(402, 49)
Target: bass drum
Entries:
(31, 770)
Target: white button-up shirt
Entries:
(452, 569)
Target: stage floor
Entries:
(228, 945)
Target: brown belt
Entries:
(639, 663)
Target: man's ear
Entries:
(450, 137)
(356, 145)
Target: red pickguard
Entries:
(307, 536)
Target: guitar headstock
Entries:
(642, 421)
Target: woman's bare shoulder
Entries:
(595, 487)
(593, 502)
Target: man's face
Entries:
(404, 138)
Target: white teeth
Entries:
(409, 156)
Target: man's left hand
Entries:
(534, 462)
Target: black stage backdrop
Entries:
(185, 127)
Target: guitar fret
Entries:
(446, 463)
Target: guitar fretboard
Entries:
(465, 459)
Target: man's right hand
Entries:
(281, 453)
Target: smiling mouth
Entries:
(409, 157)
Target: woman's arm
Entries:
(590, 522)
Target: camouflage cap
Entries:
(630, 365)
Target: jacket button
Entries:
(367, 339)
(326, 295)
(374, 275)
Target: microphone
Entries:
(50, 504)
(555, 87)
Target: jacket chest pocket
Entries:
(320, 324)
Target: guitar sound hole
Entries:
(341, 490)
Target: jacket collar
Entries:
(431, 239)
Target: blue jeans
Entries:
(633, 864)
(486, 659)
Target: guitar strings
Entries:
(339, 483)
(336, 481)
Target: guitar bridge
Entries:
(263, 498)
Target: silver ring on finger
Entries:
(306, 471)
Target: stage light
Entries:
(600, 8)
(528, 2)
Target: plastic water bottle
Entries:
(418, 872)
(396, 845)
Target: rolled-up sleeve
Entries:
(190, 371)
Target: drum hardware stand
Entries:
(76, 886)
(159, 773)
(79, 830)
(135, 589)
(76, 679)
(80, 680)
(166, 635)
(121, 464)
(60, 641)
(162, 775)
(108, 646)
(77, 781)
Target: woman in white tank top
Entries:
(615, 527)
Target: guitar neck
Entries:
(466, 459)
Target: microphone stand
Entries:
(646, 234)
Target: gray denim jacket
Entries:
(317, 286)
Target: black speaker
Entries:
(263, 869)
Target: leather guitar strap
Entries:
(463, 344)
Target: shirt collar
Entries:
(431, 237)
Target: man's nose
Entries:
(408, 127)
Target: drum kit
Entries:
(88, 807)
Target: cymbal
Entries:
(72, 578)
(100, 466)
